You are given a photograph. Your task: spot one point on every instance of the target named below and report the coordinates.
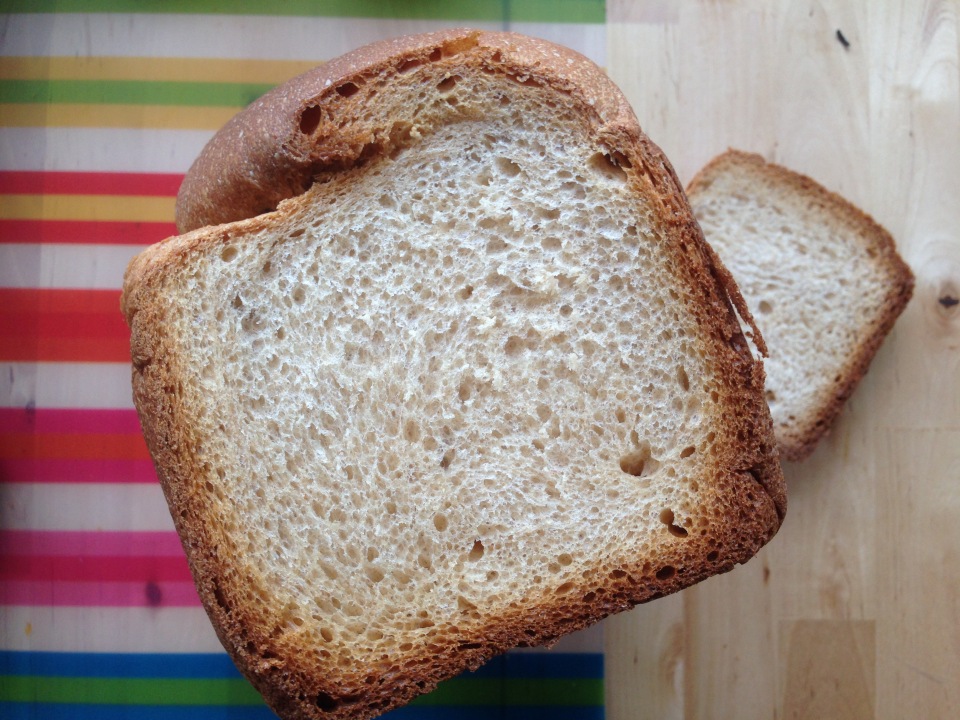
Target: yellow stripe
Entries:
(163, 117)
(144, 68)
(86, 207)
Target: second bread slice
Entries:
(823, 280)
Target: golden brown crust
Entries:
(263, 156)
(804, 437)
(265, 140)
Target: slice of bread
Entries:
(823, 279)
(480, 385)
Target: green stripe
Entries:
(161, 691)
(126, 691)
(563, 11)
(131, 92)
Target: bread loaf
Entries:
(473, 381)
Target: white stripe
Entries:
(108, 629)
(163, 630)
(100, 149)
(65, 385)
(84, 506)
(99, 267)
(245, 36)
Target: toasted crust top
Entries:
(316, 125)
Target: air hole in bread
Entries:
(514, 346)
(476, 552)
(765, 307)
(448, 83)
(770, 396)
(327, 702)
(347, 89)
(683, 379)
(551, 243)
(666, 572)
(447, 458)
(687, 451)
(310, 119)
(607, 167)
(408, 66)
(373, 573)
(436, 55)
(465, 292)
(220, 599)
(565, 588)
(440, 522)
(667, 518)
(507, 167)
(228, 253)
(639, 462)
(411, 431)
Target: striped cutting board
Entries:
(103, 106)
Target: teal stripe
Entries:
(541, 692)
(561, 11)
(131, 92)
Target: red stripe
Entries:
(68, 420)
(77, 471)
(89, 183)
(96, 568)
(99, 594)
(47, 325)
(89, 543)
(84, 232)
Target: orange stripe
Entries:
(24, 446)
(87, 207)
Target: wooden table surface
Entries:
(853, 610)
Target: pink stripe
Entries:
(76, 471)
(54, 420)
(89, 183)
(90, 544)
(103, 594)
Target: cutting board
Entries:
(853, 611)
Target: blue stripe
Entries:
(219, 665)
(118, 665)
(69, 711)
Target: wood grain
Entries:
(853, 611)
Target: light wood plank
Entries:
(853, 611)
